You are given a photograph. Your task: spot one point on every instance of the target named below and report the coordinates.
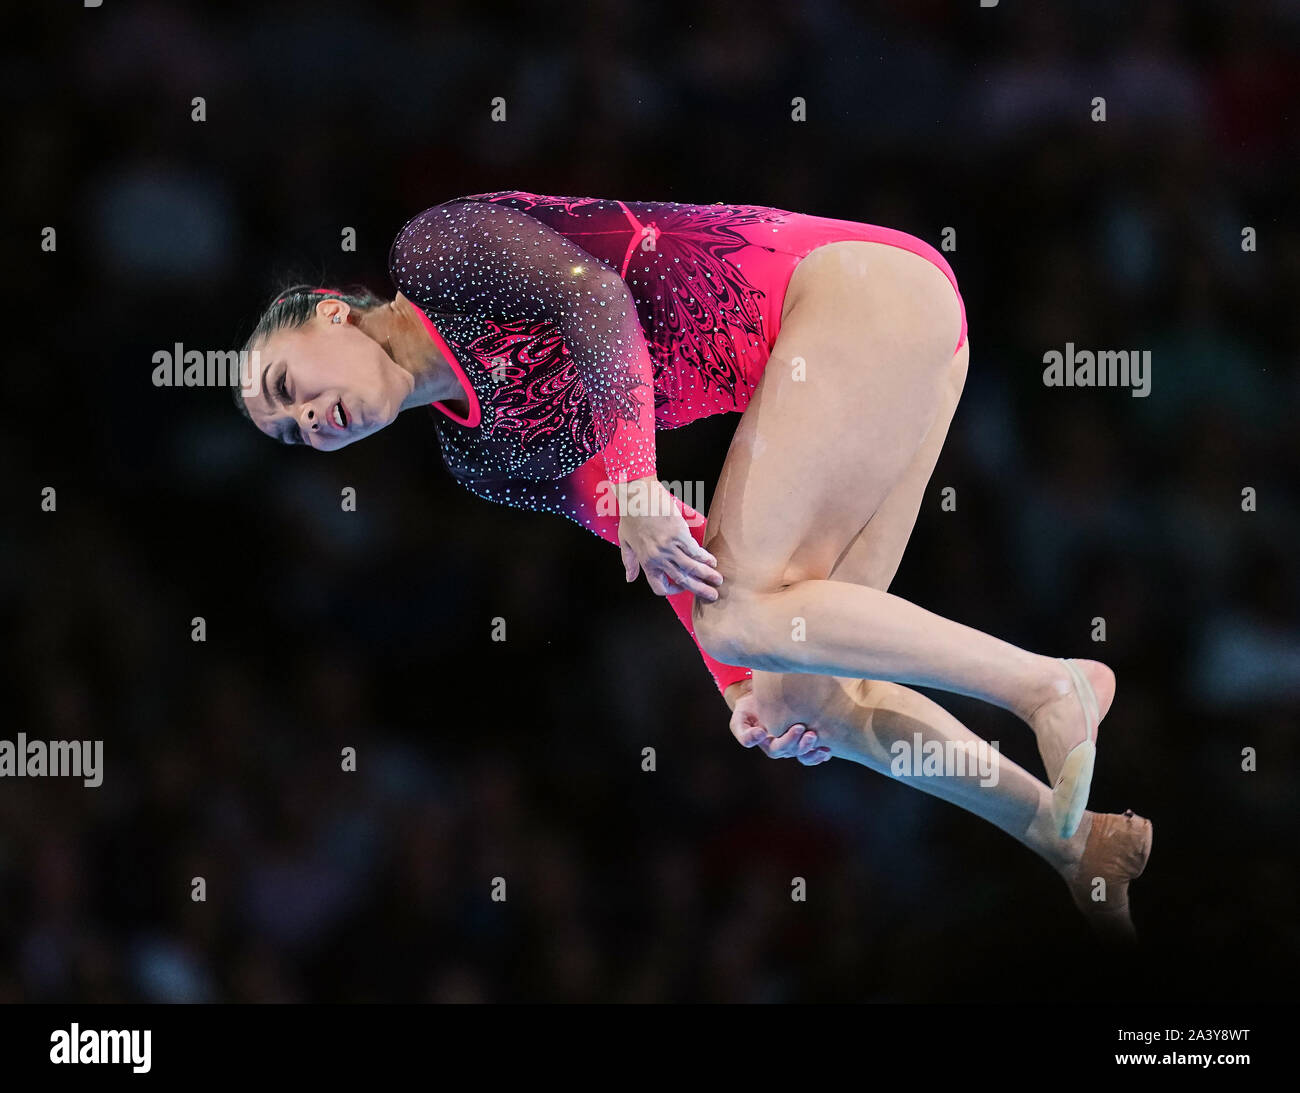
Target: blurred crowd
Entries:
(522, 759)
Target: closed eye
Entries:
(293, 434)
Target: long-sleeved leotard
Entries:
(577, 326)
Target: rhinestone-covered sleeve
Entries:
(474, 257)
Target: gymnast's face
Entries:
(325, 384)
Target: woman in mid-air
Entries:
(553, 335)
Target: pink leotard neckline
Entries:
(471, 399)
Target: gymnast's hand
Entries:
(798, 741)
(654, 537)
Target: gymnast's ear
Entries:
(336, 312)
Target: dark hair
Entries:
(294, 306)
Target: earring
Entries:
(336, 319)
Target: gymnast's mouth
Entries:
(339, 415)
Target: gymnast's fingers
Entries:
(692, 549)
(697, 569)
(745, 727)
(783, 746)
(691, 583)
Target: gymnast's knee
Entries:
(732, 630)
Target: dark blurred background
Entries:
(522, 759)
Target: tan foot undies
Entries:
(1116, 853)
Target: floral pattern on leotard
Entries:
(695, 304)
(537, 392)
(705, 304)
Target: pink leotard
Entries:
(578, 326)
